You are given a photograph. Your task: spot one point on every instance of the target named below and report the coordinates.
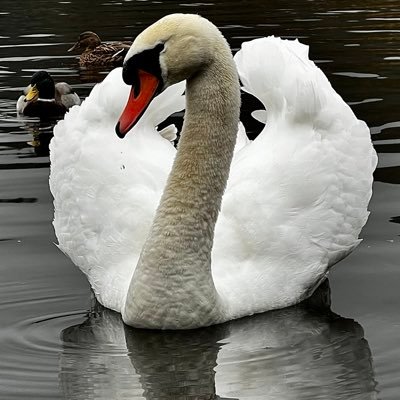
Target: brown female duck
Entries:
(96, 53)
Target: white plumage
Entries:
(295, 201)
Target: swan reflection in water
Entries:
(303, 352)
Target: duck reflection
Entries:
(303, 352)
(42, 132)
(93, 74)
(41, 137)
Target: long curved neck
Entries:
(172, 286)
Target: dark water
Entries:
(51, 347)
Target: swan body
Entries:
(212, 249)
(42, 98)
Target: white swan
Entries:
(295, 201)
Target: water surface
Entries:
(55, 343)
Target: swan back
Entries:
(297, 195)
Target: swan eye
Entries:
(148, 60)
(160, 47)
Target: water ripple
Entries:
(290, 353)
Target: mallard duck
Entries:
(44, 99)
(96, 53)
(164, 237)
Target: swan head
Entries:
(171, 50)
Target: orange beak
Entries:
(137, 102)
